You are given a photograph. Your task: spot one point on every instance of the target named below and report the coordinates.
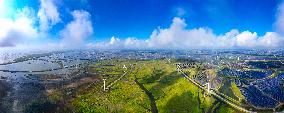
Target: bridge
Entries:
(213, 92)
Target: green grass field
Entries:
(148, 86)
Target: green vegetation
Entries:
(223, 108)
(237, 91)
(191, 71)
(230, 89)
(148, 86)
(172, 92)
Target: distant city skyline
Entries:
(141, 24)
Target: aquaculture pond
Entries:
(244, 74)
(265, 64)
(28, 80)
(272, 87)
(257, 98)
(264, 93)
(259, 90)
(30, 65)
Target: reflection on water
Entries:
(29, 76)
(30, 65)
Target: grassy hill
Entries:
(149, 86)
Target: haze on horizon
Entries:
(141, 24)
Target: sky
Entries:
(141, 24)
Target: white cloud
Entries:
(251, 40)
(227, 40)
(180, 11)
(114, 40)
(48, 15)
(279, 23)
(22, 32)
(246, 39)
(19, 30)
(271, 39)
(134, 43)
(116, 43)
(178, 37)
(90, 45)
(77, 30)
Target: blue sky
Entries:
(124, 18)
(120, 19)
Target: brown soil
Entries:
(49, 77)
(81, 81)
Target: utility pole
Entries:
(208, 87)
(178, 67)
(104, 84)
